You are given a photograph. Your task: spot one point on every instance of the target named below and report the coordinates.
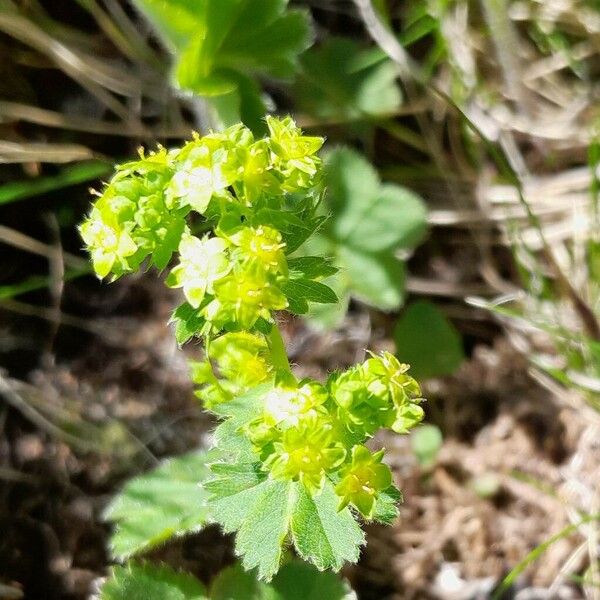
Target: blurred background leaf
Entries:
(369, 223)
(427, 341)
(426, 442)
(221, 46)
(340, 80)
(143, 581)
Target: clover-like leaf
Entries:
(368, 215)
(339, 79)
(166, 502)
(370, 222)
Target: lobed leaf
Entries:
(266, 513)
(377, 279)
(142, 581)
(341, 79)
(301, 581)
(166, 502)
(369, 223)
(295, 581)
(220, 45)
(310, 267)
(370, 216)
(386, 506)
(261, 538)
(301, 291)
(323, 535)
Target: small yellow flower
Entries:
(288, 406)
(362, 480)
(107, 244)
(246, 295)
(262, 246)
(202, 263)
(306, 453)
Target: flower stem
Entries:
(277, 348)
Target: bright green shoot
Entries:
(290, 466)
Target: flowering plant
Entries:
(290, 465)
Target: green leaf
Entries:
(330, 316)
(386, 507)
(244, 103)
(295, 581)
(301, 581)
(310, 267)
(265, 512)
(168, 501)
(339, 79)
(148, 582)
(219, 45)
(427, 341)
(395, 219)
(71, 175)
(188, 322)
(259, 509)
(377, 279)
(176, 21)
(369, 223)
(323, 535)
(426, 442)
(234, 490)
(309, 290)
(370, 216)
(294, 230)
(241, 410)
(261, 537)
(352, 183)
(233, 583)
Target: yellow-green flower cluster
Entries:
(132, 220)
(238, 362)
(309, 432)
(233, 279)
(239, 186)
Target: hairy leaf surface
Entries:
(142, 581)
(165, 502)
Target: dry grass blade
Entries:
(22, 152)
(77, 64)
(121, 32)
(24, 242)
(49, 118)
